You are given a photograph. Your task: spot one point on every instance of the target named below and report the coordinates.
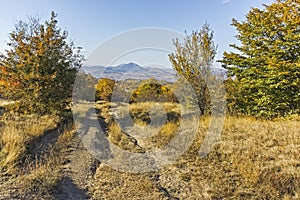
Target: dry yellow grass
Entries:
(164, 135)
(111, 184)
(254, 159)
(121, 139)
(139, 113)
(29, 176)
(42, 177)
(16, 134)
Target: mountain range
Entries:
(135, 71)
(131, 71)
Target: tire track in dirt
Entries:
(78, 169)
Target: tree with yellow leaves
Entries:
(43, 64)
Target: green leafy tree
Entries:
(104, 89)
(266, 69)
(193, 59)
(40, 67)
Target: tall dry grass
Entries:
(255, 159)
(15, 137)
(42, 177)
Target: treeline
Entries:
(263, 73)
(134, 91)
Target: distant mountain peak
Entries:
(125, 68)
(129, 64)
(130, 70)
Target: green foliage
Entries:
(193, 59)
(40, 67)
(266, 71)
(104, 89)
(153, 91)
(231, 95)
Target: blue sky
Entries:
(92, 22)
